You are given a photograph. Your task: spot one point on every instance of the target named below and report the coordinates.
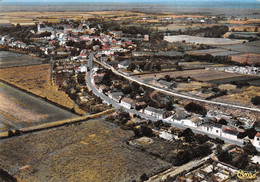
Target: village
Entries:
(174, 93)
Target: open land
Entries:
(202, 40)
(242, 96)
(12, 59)
(96, 150)
(19, 109)
(252, 59)
(250, 47)
(200, 74)
(92, 151)
(36, 79)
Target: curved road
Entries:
(173, 93)
(91, 85)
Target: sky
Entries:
(121, 1)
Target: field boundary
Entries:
(54, 124)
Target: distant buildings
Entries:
(248, 70)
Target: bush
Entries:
(250, 149)
(144, 177)
(256, 100)
(196, 108)
(158, 123)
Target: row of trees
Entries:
(213, 32)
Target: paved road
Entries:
(90, 83)
(173, 93)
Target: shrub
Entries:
(256, 100)
(196, 108)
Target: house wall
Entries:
(156, 115)
(188, 122)
(127, 105)
(213, 130)
(257, 141)
(227, 135)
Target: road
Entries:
(106, 99)
(173, 93)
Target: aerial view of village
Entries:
(111, 91)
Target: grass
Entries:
(187, 87)
(36, 79)
(246, 94)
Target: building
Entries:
(123, 64)
(116, 96)
(116, 34)
(45, 29)
(103, 88)
(164, 84)
(128, 103)
(193, 121)
(257, 140)
(213, 128)
(140, 106)
(146, 38)
(157, 113)
(230, 133)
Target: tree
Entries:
(256, 29)
(250, 149)
(131, 67)
(224, 156)
(256, 100)
(167, 78)
(158, 66)
(240, 161)
(222, 121)
(196, 108)
(127, 90)
(158, 123)
(144, 177)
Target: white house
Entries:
(157, 113)
(123, 64)
(116, 96)
(257, 140)
(215, 128)
(128, 103)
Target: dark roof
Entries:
(229, 131)
(152, 109)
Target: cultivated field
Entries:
(200, 74)
(250, 47)
(174, 27)
(92, 151)
(25, 18)
(13, 59)
(201, 40)
(19, 109)
(252, 59)
(205, 51)
(36, 79)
